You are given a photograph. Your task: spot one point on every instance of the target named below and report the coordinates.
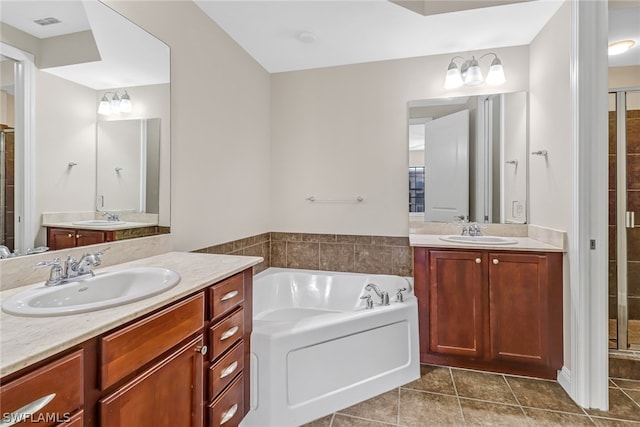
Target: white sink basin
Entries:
(479, 240)
(98, 222)
(93, 293)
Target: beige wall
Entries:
(220, 168)
(623, 77)
(550, 128)
(342, 132)
(65, 132)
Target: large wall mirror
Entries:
(79, 53)
(468, 159)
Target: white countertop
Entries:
(26, 340)
(522, 244)
(111, 227)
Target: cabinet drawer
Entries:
(226, 333)
(62, 378)
(227, 410)
(226, 295)
(226, 369)
(132, 347)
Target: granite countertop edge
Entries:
(524, 244)
(27, 340)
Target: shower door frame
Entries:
(622, 224)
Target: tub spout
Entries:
(383, 295)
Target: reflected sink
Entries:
(479, 240)
(98, 222)
(104, 290)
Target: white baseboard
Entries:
(564, 379)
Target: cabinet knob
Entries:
(78, 236)
(202, 349)
(495, 261)
(478, 260)
(70, 235)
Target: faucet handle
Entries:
(400, 295)
(41, 264)
(368, 302)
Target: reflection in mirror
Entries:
(107, 53)
(128, 160)
(468, 159)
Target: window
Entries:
(416, 189)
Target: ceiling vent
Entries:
(47, 21)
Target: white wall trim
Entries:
(25, 231)
(564, 377)
(588, 382)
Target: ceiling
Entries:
(292, 35)
(305, 34)
(129, 56)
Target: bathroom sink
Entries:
(98, 222)
(104, 290)
(479, 240)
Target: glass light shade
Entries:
(104, 107)
(474, 75)
(115, 103)
(496, 77)
(125, 104)
(453, 79)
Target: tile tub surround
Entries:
(459, 397)
(27, 340)
(20, 271)
(331, 252)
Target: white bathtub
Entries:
(316, 349)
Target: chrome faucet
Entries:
(472, 230)
(111, 216)
(72, 269)
(383, 295)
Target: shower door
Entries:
(624, 228)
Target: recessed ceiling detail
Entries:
(370, 30)
(47, 21)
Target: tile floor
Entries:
(458, 397)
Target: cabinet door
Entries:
(456, 289)
(519, 308)
(169, 394)
(61, 238)
(89, 237)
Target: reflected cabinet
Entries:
(499, 311)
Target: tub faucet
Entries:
(400, 295)
(384, 295)
(368, 302)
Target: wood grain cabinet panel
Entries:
(169, 394)
(226, 295)
(226, 410)
(494, 310)
(133, 346)
(226, 333)
(226, 369)
(63, 378)
(456, 315)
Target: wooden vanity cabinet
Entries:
(65, 396)
(157, 370)
(65, 238)
(493, 310)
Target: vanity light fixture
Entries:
(470, 74)
(119, 103)
(621, 46)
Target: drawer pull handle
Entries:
(202, 349)
(24, 413)
(478, 260)
(227, 415)
(495, 261)
(228, 334)
(229, 370)
(229, 295)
